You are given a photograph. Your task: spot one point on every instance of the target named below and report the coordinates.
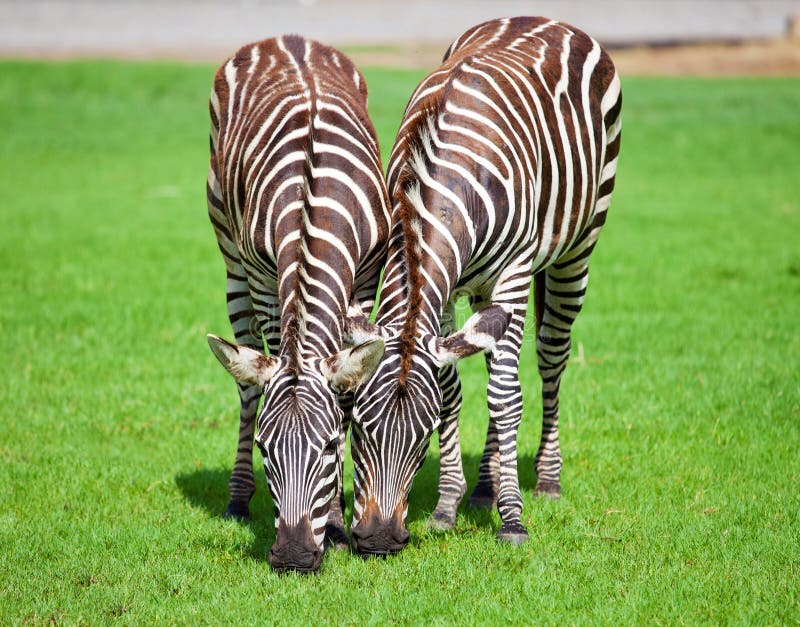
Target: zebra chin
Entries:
(379, 536)
(295, 548)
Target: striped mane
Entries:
(295, 308)
(407, 194)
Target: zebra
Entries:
(300, 208)
(501, 176)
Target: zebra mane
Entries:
(407, 197)
(295, 308)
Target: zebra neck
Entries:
(412, 299)
(310, 328)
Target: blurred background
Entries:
(661, 37)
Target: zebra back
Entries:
(304, 202)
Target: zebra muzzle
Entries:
(376, 535)
(295, 548)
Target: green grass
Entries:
(681, 408)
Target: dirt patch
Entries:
(762, 58)
(780, 57)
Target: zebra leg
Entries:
(452, 485)
(241, 485)
(564, 285)
(335, 534)
(484, 495)
(504, 397)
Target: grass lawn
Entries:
(680, 409)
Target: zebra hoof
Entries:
(482, 497)
(237, 511)
(481, 502)
(441, 520)
(550, 489)
(513, 533)
(336, 538)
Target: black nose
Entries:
(297, 560)
(295, 549)
(378, 536)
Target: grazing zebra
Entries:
(299, 205)
(501, 173)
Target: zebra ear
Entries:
(359, 330)
(349, 368)
(245, 364)
(479, 334)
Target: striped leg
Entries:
(452, 484)
(505, 412)
(242, 317)
(484, 495)
(564, 286)
(242, 485)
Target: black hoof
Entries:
(336, 538)
(481, 502)
(441, 520)
(513, 533)
(482, 497)
(237, 511)
(551, 489)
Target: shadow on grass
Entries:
(207, 489)
(424, 493)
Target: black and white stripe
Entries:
(502, 172)
(299, 205)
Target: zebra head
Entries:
(299, 434)
(396, 411)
